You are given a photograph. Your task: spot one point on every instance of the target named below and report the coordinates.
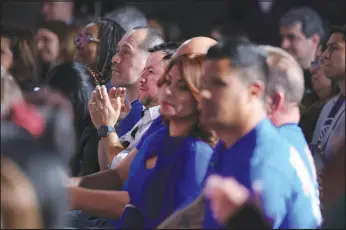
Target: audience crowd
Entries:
(118, 123)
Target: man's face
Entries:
(223, 95)
(334, 57)
(130, 58)
(147, 82)
(48, 45)
(300, 47)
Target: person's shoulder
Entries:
(331, 101)
(272, 148)
(156, 137)
(136, 104)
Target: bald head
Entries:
(196, 45)
(285, 75)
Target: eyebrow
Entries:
(127, 46)
(332, 44)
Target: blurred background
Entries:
(186, 18)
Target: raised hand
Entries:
(226, 197)
(125, 105)
(103, 110)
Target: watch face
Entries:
(103, 131)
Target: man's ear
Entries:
(256, 89)
(274, 102)
(278, 100)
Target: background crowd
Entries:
(177, 114)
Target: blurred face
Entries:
(48, 45)
(301, 48)
(55, 10)
(147, 82)
(223, 95)
(6, 53)
(320, 83)
(176, 101)
(86, 43)
(334, 57)
(129, 61)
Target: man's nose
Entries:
(285, 44)
(116, 59)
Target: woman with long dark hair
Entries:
(18, 55)
(96, 45)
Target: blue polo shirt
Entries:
(293, 133)
(263, 156)
(131, 119)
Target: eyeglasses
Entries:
(83, 40)
(99, 78)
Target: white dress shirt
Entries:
(132, 137)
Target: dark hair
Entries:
(230, 30)
(190, 68)
(311, 22)
(65, 34)
(338, 29)
(24, 53)
(74, 81)
(152, 39)
(245, 57)
(110, 33)
(169, 48)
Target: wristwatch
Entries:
(105, 130)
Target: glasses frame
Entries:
(84, 40)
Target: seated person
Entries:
(116, 148)
(173, 161)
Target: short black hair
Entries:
(338, 29)
(311, 21)
(110, 33)
(169, 48)
(245, 57)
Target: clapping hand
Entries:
(125, 105)
(105, 109)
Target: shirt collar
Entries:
(152, 112)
